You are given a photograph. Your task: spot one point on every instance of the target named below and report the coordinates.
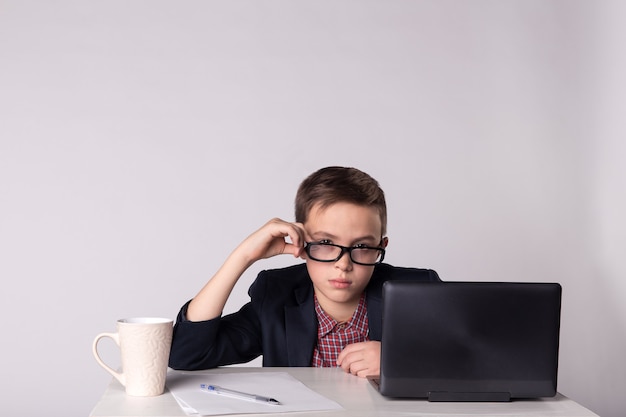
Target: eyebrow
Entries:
(322, 235)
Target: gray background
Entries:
(140, 141)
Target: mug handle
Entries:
(116, 338)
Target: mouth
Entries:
(340, 283)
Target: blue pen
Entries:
(238, 394)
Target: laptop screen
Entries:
(470, 341)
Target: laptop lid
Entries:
(470, 341)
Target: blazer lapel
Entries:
(301, 327)
(374, 316)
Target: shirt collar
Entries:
(327, 324)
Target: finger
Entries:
(360, 359)
(306, 237)
(288, 234)
(292, 249)
(300, 233)
(297, 239)
(349, 350)
(344, 353)
(349, 358)
(358, 367)
(364, 373)
(361, 368)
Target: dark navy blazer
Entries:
(279, 322)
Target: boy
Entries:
(325, 312)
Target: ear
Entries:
(385, 241)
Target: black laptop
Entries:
(469, 341)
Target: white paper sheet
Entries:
(292, 394)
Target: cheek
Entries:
(316, 269)
(364, 274)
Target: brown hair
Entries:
(335, 184)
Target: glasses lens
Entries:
(367, 256)
(323, 252)
(327, 252)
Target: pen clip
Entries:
(239, 395)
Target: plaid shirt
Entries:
(332, 336)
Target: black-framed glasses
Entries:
(329, 252)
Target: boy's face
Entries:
(342, 282)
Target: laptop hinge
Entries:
(469, 396)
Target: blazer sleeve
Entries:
(258, 328)
(234, 338)
(225, 340)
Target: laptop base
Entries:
(445, 396)
(469, 396)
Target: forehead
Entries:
(344, 220)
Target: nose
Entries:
(345, 262)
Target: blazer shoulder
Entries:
(282, 282)
(294, 275)
(399, 272)
(385, 272)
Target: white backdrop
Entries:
(140, 141)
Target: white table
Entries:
(354, 394)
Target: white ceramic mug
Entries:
(144, 344)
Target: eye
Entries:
(325, 242)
